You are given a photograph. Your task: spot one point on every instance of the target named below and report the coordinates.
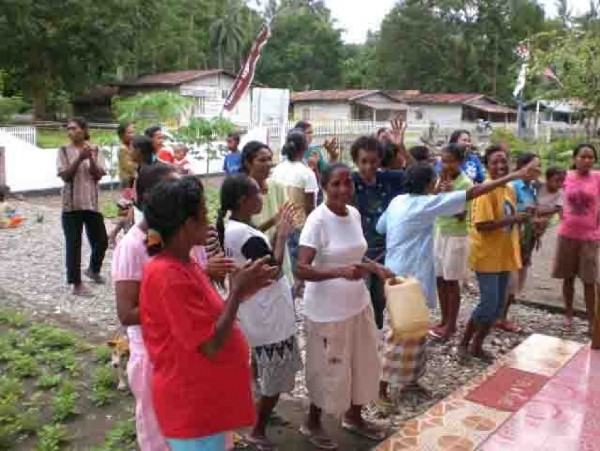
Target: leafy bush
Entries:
(9, 106)
(12, 318)
(48, 380)
(52, 437)
(104, 382)
(120, 437)
(51, 337)
(103, 354)
(64, 403)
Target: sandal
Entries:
(318, 439)
(260, 443)
(508, 326)
(484, 356)
(436, 335)
(368, 430)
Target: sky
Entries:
(357, 17)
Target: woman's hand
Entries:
(531, 171)
(382, 272)
(251, 278)
(353, 272)
(333, 149)
(219, 266)
(286, 219)
(398, 129)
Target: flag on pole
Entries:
(246, 75)
(522, 52)
(549, 73)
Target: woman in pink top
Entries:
(579, 231)
(129, 259)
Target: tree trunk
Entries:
(39, 90)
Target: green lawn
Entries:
(57, 390)
(54, 138)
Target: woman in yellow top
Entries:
(257, 161)
(495, 252)
(127, 167)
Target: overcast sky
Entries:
(359, 16)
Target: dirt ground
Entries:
(541, 288)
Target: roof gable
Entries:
(174, 78)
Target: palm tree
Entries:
(227, 33)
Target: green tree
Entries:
(227, 33)
(304, 50)
(575, 57)
(53, 44)
(157, 107)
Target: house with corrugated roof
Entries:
(207, 88)
(383, 105)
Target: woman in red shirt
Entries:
(201, 377)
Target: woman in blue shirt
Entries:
(471, 165)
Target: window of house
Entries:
(419, 114)
(306, 114)
(224, 93)
(199, 108)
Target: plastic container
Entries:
(407, 308)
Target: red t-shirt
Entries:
(165, 156)
(194, 396)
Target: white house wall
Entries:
(215, 89)
(436, 113)
(322, 111)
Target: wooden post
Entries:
(2, 166)
(596, 325)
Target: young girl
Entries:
(526, 193)
(451, 246)
(267, 318)
(342, 365)
(495, 250)
(409, 227)
(373, 192)
(201, 372)
(579, 231)
(129, 259)
(300, 186)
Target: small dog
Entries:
(118, 360)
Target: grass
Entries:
(49, 377)
(54, 138)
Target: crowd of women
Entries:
(312, 227)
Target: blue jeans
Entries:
(493, 287)
(211, 443)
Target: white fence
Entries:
(27, 134)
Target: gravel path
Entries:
(32, 276)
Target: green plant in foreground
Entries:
(51, 337)
(11, 389)
(64, 403)
(121, 437)
(102, 354)
(48, 380)
(104, 382)
(22, 366)
(12, 318)
(52, 437)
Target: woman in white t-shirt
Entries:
(300, 186)
(268, 318)
(342, 363)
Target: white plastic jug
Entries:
(407, 308)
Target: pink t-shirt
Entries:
(130, 256)
(581, 207)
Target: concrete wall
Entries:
(322, 111)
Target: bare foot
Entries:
(82, 291)
(94, 276)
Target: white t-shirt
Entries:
(268, 316)
(296, 180)
(339, 241)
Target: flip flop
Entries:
(484, 356)
(509, 326)
(371, 431)
(436, 335)
(260, 444)
(320, 440)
